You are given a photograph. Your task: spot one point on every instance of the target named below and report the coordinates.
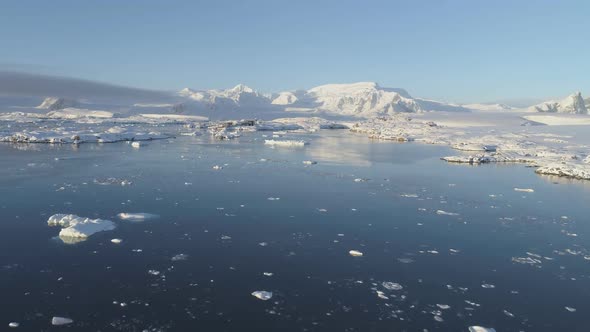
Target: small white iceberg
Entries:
(481, 329)
(355, 253)
(74, 227)
(116, 241)
(445, 213)
(262, 295)
(139, 216)
(392, 285)
(286, 143)
(525, 190)
(57, 321)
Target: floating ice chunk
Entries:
(74, 227)
(570, 309)
(273, 198)
(481, 329)
(136, 144)
(13, 324)
(139, 216)
(217, 167)
(116, 241)
(309, 162)
(360, 180)
(179, 257)
(267, 274)
(262, 295)
(444, 306)
(409, 195)
(61, 321)
(445, 213)
(488, 286)
(382, 295)
(355, 253)
(508, 313)
(438, 318)
(392, 285)
(154, 272)
(225, 237)
(285, 143)
(526, 190)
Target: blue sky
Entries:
(450, 50)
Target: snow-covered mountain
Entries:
(359, 99)
(365, 99)
(573, 104)
(54, 103)
(236, 97)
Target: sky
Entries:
(460, 51)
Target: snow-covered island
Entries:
(538, 135)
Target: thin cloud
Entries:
(14, 83)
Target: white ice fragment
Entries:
(285, 143)
(309, 162)
(61, 321)
(262, 295)
(481, 329)
(392, 285)
(444, 306)
(217, 167)
(116, 241)
(179, 257)
(488, 286)
(360, 180)
(154, 272)
(570, 309)
(13, 324)
(355, 253)
(382, 295)
(74, 227)
(136, 144)
(273, 198)
(267, 274)
(526, 190)
(138, 216)
(225, 237)
(445, 213)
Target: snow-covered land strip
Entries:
(64, 135)
(553, 153)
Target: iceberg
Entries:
(75, 227)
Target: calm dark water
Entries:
(306, 235)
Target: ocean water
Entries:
(491, 256)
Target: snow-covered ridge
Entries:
(54, 103)
(573, 103)
(365, 99)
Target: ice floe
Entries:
(355, 253)
(285, 143)
(262, 295)
(58, 321)
(138, 216)
(481, 329)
